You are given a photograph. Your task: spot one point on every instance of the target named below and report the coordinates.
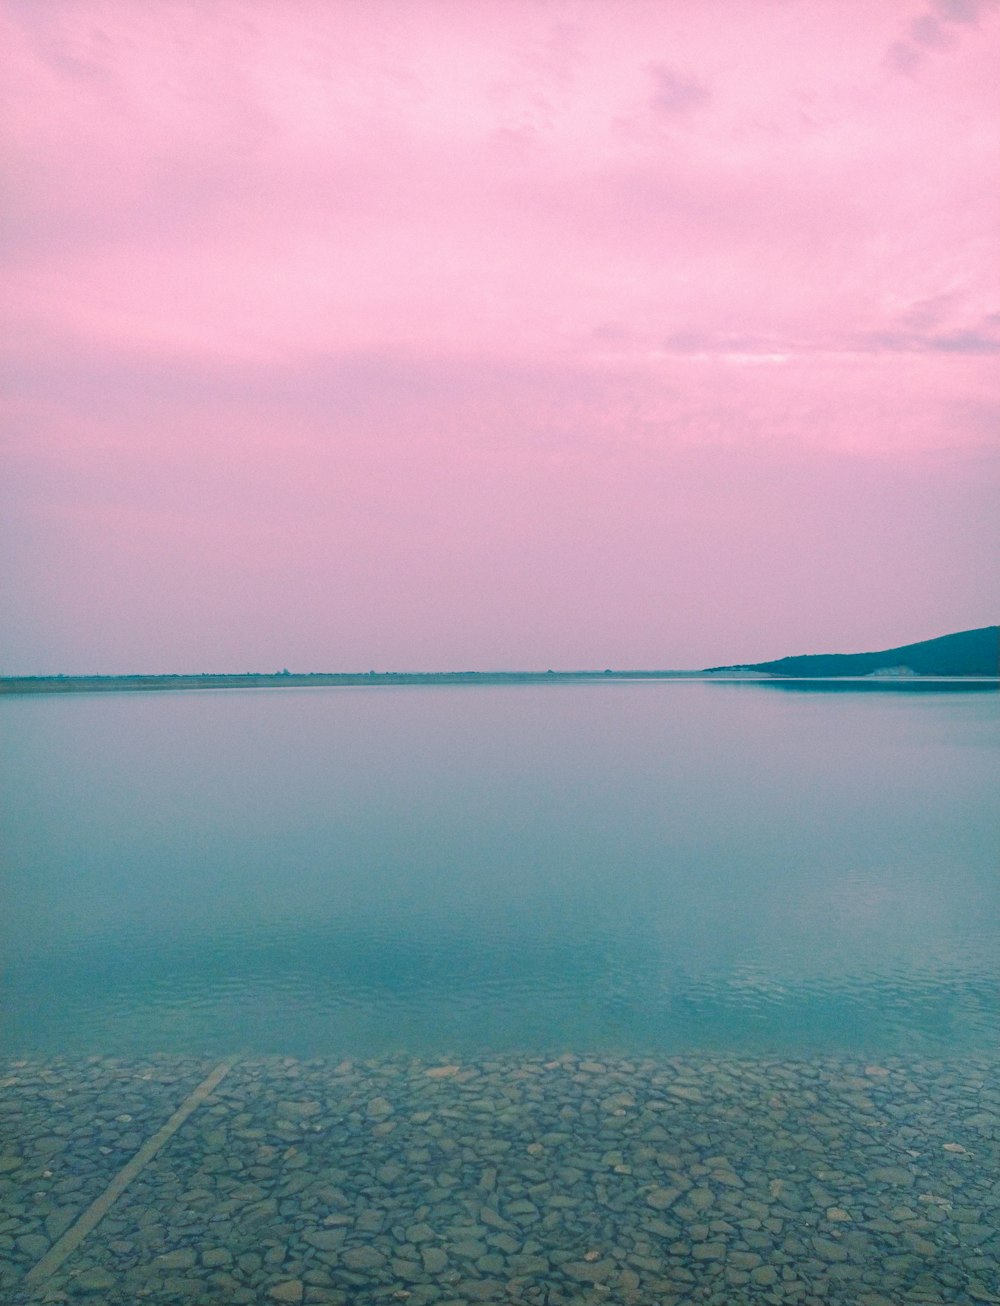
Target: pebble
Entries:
(363, 1258)
(292, 1290)
(178, 1260)
(93, 1280)
(216, 1256)
(764, 1276)
(434, 1259)
(824, 1182)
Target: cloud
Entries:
(944, 342)
(937, 324)
(902, 57)
(963, 11)
(965, 342)
(926, 33)
(674, 93)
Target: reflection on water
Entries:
(879, 685)
(634, 867)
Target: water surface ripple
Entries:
(629, 866)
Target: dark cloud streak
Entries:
(925, 32)
(674, 93)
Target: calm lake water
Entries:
(659, 867)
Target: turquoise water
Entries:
(652, 867)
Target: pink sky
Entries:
(401, 334)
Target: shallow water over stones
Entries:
(515, 1179)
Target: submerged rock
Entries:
(527, 1179)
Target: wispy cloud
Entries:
(674, 92)
(933, 30)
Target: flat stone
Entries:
(708, 1251)
(651, 1263)
(744, 1260)
(685, 1092)
(493, 1218)
(973, 1235)
(618, 1102)
(829, 1250)
(292, 1290)
(505, 1243)
(469, 1249)
(728, 1177)
(182, 1259)
(763, 1276)
(379, 1108)
(58, 1221)
(479, 1289)
(442, 1072)
(215, 1256)
(434, 1258)
(892, 1174)
(922, 1246)
(174, 1287)
(370, 1222)
(326, 1240)
(981, 1120)
(661, 1198)
(298, 1110)
(528, 1264)
(522, 1207)
(33, 1244)
(420, 1233)
(409, 1271)
(363, 1258)
(96, 1279)
(662, 1229)
(589, 1271)
(965, 1214)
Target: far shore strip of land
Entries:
(326, 680)
(318, 679)
(965, 656)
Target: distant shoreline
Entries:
(327, 680)
(313, 680)
(966, 657)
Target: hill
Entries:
(965, 653)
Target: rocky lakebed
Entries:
(545, 1180)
